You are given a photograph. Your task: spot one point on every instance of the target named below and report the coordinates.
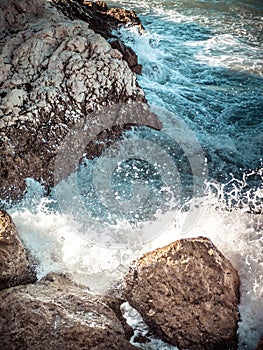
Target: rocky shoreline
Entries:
(187, 292)
(62, 69)
(55, 72)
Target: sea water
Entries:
(201, 175)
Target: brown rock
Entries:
(103, 20)
(15, 267)
(115, 304)
(128, 55)
(260, 344)
(55, 313)
(188, 293)
(122, 16)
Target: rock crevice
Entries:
(57, 313)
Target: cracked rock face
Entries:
(15, 267)
(53, 72)
(54, 314)
(188, 293)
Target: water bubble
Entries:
(139, 176)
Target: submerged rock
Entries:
(188, 293)
(55, 313)
(15, 266)
(54, 71)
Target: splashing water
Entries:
(58, 244)
(202, 68)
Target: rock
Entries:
(188, 293)
(54, 72)
(260, 344)
(121, 16)
(55, 313)
(115, 304)
(15, 15)
(103, 20)
(128, 55)
(15, 266)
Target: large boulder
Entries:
(15, 265)
(54, 72)
(54, 314)
(188, 293)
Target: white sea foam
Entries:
(56, 242)
(226, 50)
(184, 53)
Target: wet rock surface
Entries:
(54, 71)
(101, 18)
(188, 293)
(260, 344)
(115, 304)
(55, 313)
(128, 55)
(15, 265)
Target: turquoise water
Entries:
(201, 175)
(202, 60)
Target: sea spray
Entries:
(201, 61)
(58, 245)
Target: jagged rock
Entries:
(260, 344)
(121, 16)
(115, 304)
(15, 266)
(128, 55)
(54, 72)
(103, 20)
(55, 313)
(188, 293)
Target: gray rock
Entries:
(15, 265)
(188, 293)
(53, 73)
(54, 314)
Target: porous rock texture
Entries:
(54, 71)
(101, 18)
(104, 20)
(55, 313)
(15, 265)
(188, 293)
